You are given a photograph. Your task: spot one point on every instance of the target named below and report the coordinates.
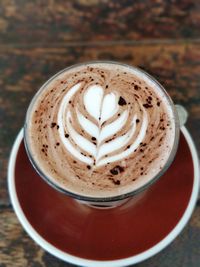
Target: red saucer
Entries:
(109, 234)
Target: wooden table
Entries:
(39, 38)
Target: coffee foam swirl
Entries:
(103, 108)
(99, 130)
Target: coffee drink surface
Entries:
(100, 129)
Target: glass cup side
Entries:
(119, 199)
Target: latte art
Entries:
(110, 139)
(100, 130)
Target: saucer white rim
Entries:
(111, 263)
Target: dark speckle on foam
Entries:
(147, 105)
(53, 124)
(116, 170)
(122, 101)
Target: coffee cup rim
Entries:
(116, 197)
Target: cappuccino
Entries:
(100, 129)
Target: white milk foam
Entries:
(101, 107)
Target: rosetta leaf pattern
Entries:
(103, 108)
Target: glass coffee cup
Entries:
(179, 116)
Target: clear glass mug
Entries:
(179, 115)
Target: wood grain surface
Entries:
(50, 22)
(39, 38)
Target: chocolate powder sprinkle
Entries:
(116, 170)
(53, 124)
(121, 101)
(116, 182)
(147, 105)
